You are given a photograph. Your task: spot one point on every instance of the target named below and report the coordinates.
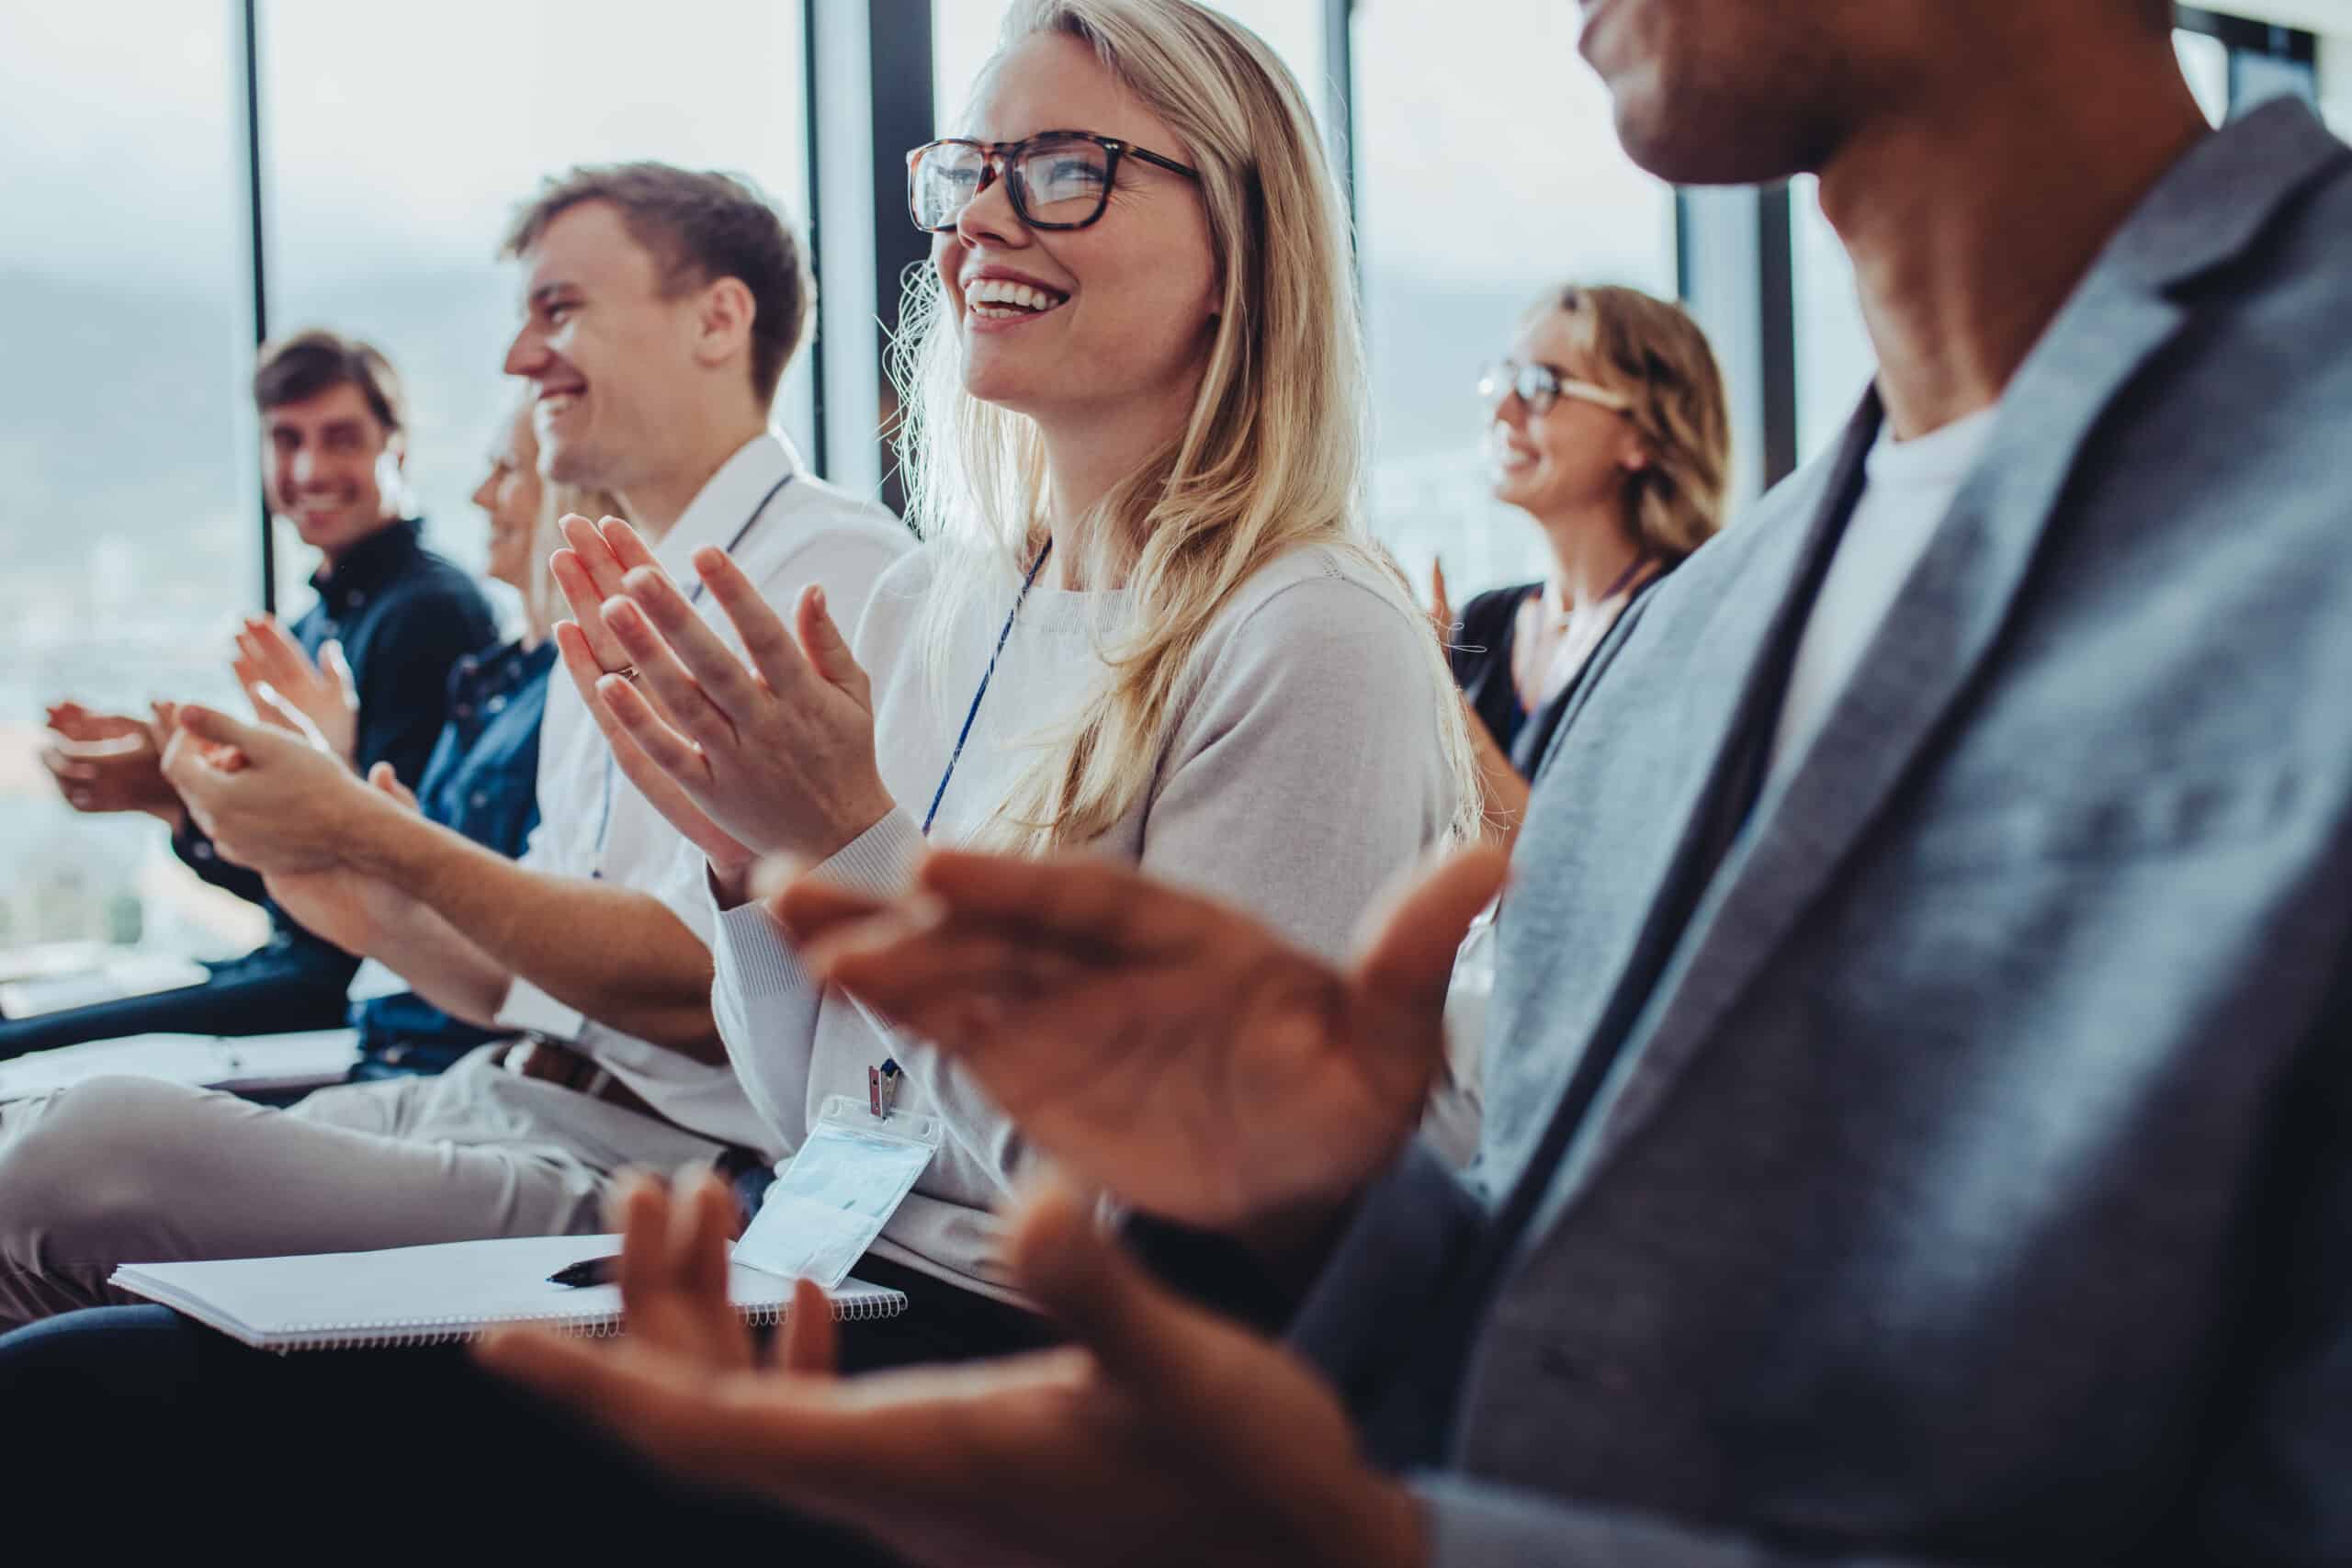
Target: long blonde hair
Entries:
(1271, 458)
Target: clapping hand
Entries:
(770, 752)
(107, 761)
(1161, 1045)
(1504, 794)
(334, 902)
(319, 701)
(268, 799)
(1163, 1435)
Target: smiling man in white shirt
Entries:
(661, 309)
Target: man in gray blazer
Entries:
(1919, 1114)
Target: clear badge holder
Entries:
(829, 1203)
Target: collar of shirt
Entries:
(726, 503)
(368, 566)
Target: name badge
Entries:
(836, 1193)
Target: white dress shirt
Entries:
(592, 822)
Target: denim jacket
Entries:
(482, 780)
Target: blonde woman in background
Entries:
(482, 777)
(1147, 621)
(1608, 426)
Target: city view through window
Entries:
(127, 485)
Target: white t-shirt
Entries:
(1907, 487)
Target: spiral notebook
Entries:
(429, 1295)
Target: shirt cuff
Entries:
(749, 950)
(880, 859)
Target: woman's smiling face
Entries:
(1079, 325)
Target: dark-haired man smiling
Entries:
(334, 432)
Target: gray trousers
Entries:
(134, 1171)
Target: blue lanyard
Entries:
(694, 596)
(986, 676)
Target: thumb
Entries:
(1137, 1331)
(821, 640)
(1406, 958)
(273, 703)
(212, 724)
(385, 782)
(331, 658)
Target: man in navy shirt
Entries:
(332, 439)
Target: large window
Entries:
(1835, 360)
(398, 150)
(1487, 169)
(129, 533)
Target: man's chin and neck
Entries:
(336, 545)
(655, 480)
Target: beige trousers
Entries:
(133, 1170)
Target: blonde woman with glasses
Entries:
(1607, 427)
(1145, 621)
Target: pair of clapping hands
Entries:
(113, 761)
(769, 754)
(773, 756)
(1161, 1045)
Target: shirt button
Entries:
(204, 852)
(497, 704)
(480, 798)
(465, 710)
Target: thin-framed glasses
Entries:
(1539, 386)
(1057, 179)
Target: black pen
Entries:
(587, 1271)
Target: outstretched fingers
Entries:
(662, 678)
(1085, 902)
(767, 641)
(646, 729)
(672, 629)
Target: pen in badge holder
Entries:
(882, 1088)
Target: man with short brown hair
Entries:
(697, 226)
(391, 613)
(653, 366)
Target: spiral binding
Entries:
(422, 1331)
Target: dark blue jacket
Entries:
(404, 617)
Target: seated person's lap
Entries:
(122, 1169)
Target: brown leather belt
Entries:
(551, 1061)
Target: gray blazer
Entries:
(1976, 1181)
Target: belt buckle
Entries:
(564, 1062)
